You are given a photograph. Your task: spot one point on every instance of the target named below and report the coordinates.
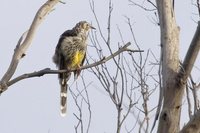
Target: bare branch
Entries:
(142, 7)
(189, 102)
(81, 97)
(194, 92)
(190, 57)
(160, 101)
(49, 71)
(21, 47)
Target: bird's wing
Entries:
(60, 60)
(58, 57)
(69, 33)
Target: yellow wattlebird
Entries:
(70, 54)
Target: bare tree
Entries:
(133, 77)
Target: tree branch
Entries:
(22, 47)
(191, 55)
(49, 71)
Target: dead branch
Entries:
(49, 71)
(160, 101)
(188, 101)
(81, 97)
(22, 47)
(191, 56)
(143, 7)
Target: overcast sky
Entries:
(33, 105)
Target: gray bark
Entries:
(173, 93)
(174, 76)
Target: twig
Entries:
(189, 102)
(160, 101)
(142, 7)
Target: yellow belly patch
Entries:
(77, 59)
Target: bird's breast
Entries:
(77, 59)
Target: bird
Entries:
(70, 54)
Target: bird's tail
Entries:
(63, 92)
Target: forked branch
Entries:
(191, 56)
(25, 42)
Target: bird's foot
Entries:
(77, 72)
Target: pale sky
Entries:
(32, 105)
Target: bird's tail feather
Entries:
(63, 93)
(63, 100)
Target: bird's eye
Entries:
(87, 26)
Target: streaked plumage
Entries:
(70, 54)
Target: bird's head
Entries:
(84, 26)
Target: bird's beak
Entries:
(92, 27)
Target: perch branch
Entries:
(49, 71)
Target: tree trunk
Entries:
(173, 91)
